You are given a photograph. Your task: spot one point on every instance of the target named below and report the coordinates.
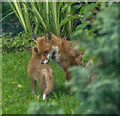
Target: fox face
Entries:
(79, 59)
(45, 48)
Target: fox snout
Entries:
(45, 59)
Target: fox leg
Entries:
(33, 84)
(66, 66)
(68, 77)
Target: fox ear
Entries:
(48, 36)
(36, 49)
(35, 37)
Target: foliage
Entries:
(99, 96)
(42, 16)
(6, 9)
(44, 108)
(10, 23)
(16, 44)
(100, 40)
(60, 18)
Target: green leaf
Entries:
(76, 7)
(88, 14)
(81, 26)
(69, 18)
(89, 7)
(65, 7)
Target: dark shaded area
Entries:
(10, 24)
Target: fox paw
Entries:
(44, 97)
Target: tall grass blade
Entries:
(38, 15)
(27, 18)
(55, 18)
(19, 11)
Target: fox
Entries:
(60, 50)
(43, 73)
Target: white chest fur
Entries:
(55, 53)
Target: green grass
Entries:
(16, 90)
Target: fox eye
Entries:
(46, 52)
(36, 50)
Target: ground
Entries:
(16, 91)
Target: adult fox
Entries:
(60, 50)
(43, 73)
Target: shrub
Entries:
(100, 96)
(16, 44)
(44, 108)
(61, 18)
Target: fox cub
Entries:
(43, 73)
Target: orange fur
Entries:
(60, 50)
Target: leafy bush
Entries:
(16, 44)
(61, 18)
(99, 96)
(38, 17)
(44, 108)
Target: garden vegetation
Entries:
(95, 28)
